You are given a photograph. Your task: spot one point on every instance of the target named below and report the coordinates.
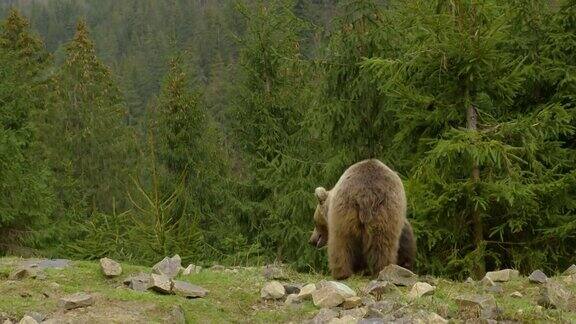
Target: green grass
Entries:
(233, 297)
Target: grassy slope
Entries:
(234, 297)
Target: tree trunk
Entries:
(477, 227)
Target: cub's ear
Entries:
(321, 194)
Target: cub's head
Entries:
(319, 237)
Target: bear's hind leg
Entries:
(380, 249)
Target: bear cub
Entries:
(363, 221)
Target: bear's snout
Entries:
(318, 240)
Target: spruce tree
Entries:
(490, 168)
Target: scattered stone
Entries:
(160, 283)
(327, 297)
(373, 320)
(291, 299)
(306, 291)
(177, 315)
(230, 270)
(170, 267)
(570, 271)
(378, 288)
(273, 290)
(110, 267)
(191, 269)
(274, 272)
(358, 312)
(434, 318)
(76, 300)
(381, 309)
(496, 289)
(138, 282)
(538, 277)
(569, 280)
(470, 280)
(421, 289)
(341, 288)
(292, 288)
(516, 294)
(28, 320)
(430, 279)
(39, 317)
(398, 275)
(502, 275)
(217, 267)
(477, 306)
(188, 290)
(348, 319)
(20, 274)
(422, 316)
(487, 282)
(324, 316)
(554, 295)
(352, 302)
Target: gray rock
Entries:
(378, 288)
(421, 289)
(502, 275)
(39, 317)
(273, 290)
(470, 280)
(217, 267)
(570, 271)
(486, 283)
(291, 299)
(339, 287)
(160, 283)
(358, 312)
(373, 320)
(496, 289)
(292, 288)
(188, 290)
(177, 315)
(478, 306)
(191, 269)
(170, 267)
(274, 272)
(28, 320)
(110, 267)
(325, 315)
(76, 300)
(554, 295)
(306, 291)
(422, 317)
(398, 275)
(138, 282)
(381, 309)
(352, 302)
(516, 294)
(538, 277)
(348, 319)
(327, 297)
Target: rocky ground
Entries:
(62, 291)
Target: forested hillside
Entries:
(136, 129)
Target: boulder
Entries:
(570, 271)
(502, 275)
(421, 289)
(538, 277)
(169, 267)
(358, 312)
(291, 299)
(486, 283)
(324, 316)
(341, 288)
(292, 288)
(110, 267)
(306, 291)
(28, 320)
(188, 290)
(160, 283)
(496, 289)
(138, 282)
(76, 300)
(352, 302)
(191, 269)
(398, 275)
(39, 317)
(477, 306)
(273, 290)
(554, 295)
(327, 297)
(378, 288)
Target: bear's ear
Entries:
(321, 194)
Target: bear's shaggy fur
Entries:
(362, 219)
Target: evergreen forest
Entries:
(136, 129)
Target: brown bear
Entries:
(363, 221)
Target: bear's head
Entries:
(319, 237)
